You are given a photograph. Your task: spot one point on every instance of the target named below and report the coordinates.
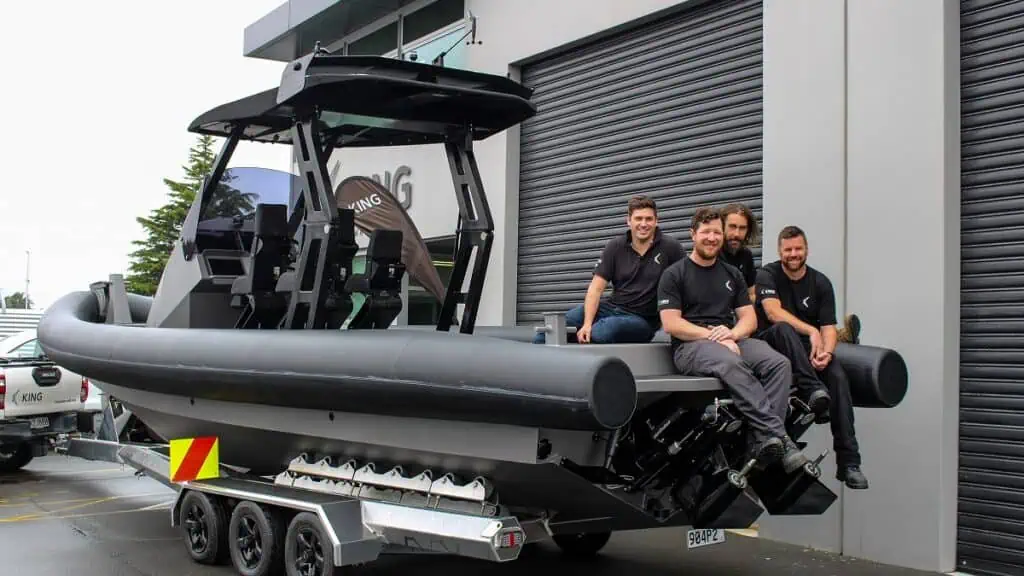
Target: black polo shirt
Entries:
(634, 278)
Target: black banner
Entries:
(375, 209)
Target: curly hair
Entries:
(753, 230)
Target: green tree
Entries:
(163, 225)
(18, 300)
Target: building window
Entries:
(451, 46)
(431, 18)
(428, 29)
(376, 43)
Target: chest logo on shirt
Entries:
(657, 258)
(804, 302)
(728, 285)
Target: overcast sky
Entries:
(96, 99)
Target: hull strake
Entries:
(393, 372)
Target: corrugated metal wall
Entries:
(991, 503)
(671, 109)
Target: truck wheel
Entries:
(582, 545)
(14, 457)
(307, 550)
(204, 522)
(255, 539)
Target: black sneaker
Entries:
(853, 477)
(819, 402)
(768, 452)
(792, 459)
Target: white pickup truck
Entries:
(38, 402)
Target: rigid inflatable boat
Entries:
(253, 336)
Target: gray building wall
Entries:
(861, 148)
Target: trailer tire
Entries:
(307, 543)
(582, 545)
(204, 523)
(255, 539)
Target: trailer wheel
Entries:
(307, 550)
(255, 539)
(204, 522)
(582, 545)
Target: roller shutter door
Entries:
(671, 109)
(990, 535)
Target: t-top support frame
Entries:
(476, 231)
(318, 297)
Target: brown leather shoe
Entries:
(850, 332)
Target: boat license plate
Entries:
(704, 537)
(39, 422)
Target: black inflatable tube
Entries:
(878, 376)
(393, 372)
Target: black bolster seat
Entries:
(381, 283)
(268, 257)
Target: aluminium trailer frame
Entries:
(347, 530)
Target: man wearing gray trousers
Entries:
(697, 299)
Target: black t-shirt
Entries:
(811, 298)
(706, 295)
(743, 259)
(634, 278)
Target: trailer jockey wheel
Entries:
(256, 540)
(204, 522)
(307, 549)
(582, 545)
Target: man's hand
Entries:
(719, 333)
(821, 360)
(583, 334)
(730, 344)
(817, 345)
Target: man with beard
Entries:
(632, 263)
(796, 312)
(698, 298)
(742, 231)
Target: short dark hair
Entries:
(703, 216)
(791, 232)
(639, 203)
(753, 230)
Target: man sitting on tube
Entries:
(632, 262)
(705, 306)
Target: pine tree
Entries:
(18, 300)
(163, 225)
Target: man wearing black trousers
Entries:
(796, 312)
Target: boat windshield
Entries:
(241, 189)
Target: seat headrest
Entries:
(385, 245)
(271, 220)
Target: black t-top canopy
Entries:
(374, 101)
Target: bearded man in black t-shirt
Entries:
(740, 230)
(698, 298)
(796, 311)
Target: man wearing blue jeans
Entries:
(632, 263)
